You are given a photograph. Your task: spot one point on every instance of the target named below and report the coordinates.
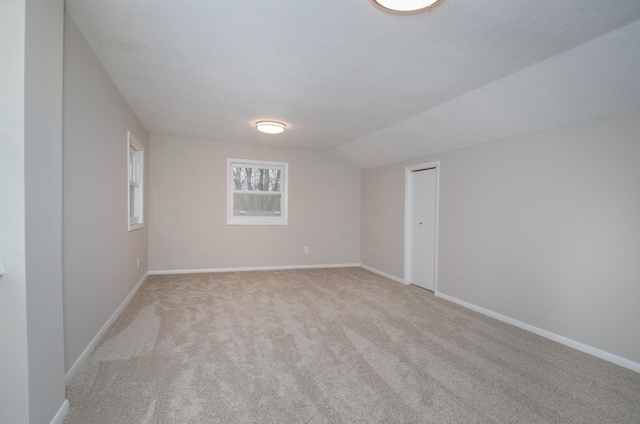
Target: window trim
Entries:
(283, 219)
(137, 221)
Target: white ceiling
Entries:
(371, 86)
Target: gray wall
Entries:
(188, 208)
(31, 357)
(99, 254)
(543, 228)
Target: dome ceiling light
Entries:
(270, 127)
(406, 5)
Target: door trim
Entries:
(408, 278)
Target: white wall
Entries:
(14, 365)
(383, 219)
(543, 228)
(43, 188)
(31, 358)
(188, 208)
(99, 262)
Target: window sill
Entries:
(133, 227)
(249, 221)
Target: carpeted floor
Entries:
(332, 346)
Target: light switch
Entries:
(1, 270)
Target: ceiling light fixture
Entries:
(270, 127)
(406, 5)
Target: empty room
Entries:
(362, 211)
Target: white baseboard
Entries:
(383, 274)
(623, 362)
(62, 413)
(256, 268)
(85, 354)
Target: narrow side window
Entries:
(136, 183)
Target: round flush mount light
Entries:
(406, 5)
(270, 127)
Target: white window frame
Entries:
(258, 220)
(135, 170)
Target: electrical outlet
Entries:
(306, 250)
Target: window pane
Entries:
(256, 204)
(132, 201)
(257, 179)
(135, 163)
(132, 161)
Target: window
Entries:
(136, 183)
(256, 192)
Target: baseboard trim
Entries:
(618, 360)
(383, 274)
(85, 354)
(62, 413)
(256, 268)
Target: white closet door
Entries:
(423, 228)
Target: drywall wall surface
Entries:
(99, 253)
(382, 241)
(31, 332)
(188, 208)
(14, 364)
(43, 201)
(542, 228)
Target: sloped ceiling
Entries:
(371, 86)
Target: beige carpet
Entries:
(332, 346)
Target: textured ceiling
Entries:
(371, 86)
